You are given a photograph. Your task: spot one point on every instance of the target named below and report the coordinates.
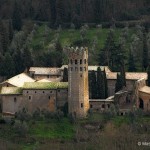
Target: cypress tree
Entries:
(100, 84)
(10, 27)
(106, 84)
(9, 66)
(148, 76)
(16, 18)
(119, 83)
(92, 85)
(131, 63)
(65, 75)
(145, 51)
(123, 74)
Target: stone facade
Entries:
(78, 94)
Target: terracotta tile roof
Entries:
(129, 75)
(19, 80)
(45, 71)
(10, 91)
(46, 85)
(145, 89)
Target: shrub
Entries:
(20, 128)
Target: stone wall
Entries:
(12, 103)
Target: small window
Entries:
(43, 92)
(81, 105)
(108, 105)
(71, 61)
(29, 97)
(80, 68)
(49, 97)
(15, 99)
(76, 61)
(103, 106)
(35, 91)
(84, 61)
(27, 92)
(81, 75)
(7, 85)
(58, 90)
(48, 76)
(80, 61)
(91, 106)
(51, 91)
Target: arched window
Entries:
(80, 61)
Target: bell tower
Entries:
(78, 92)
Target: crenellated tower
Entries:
(78, 92)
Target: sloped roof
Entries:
(90, 68)
(145, 89)
(44, 80)
(10, 90)
(45, 85)
(19, 80)
(45, 71)
(129, 75)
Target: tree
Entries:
(106, 84)
(148, 74)
(145, 51)
(92, 85)
(10, 27)
(27, 57)
(53, 11)
(119, 83)
(8, 65)
(65, 75)
(123, 74)
(131, 63)
(16, 18)
(100, 84)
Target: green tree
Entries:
(145, 51)
(131, 63)
(9, 66)
(119, 83)
(100, 84)
(16, 18)
(10, 28)
(123, 74)
(27, 57)
(65, 75)
(106, 84)
(148, 74)
(92, 85)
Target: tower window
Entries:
(15, 99)
(81, 105)
(76, 61)
(71, 61)
(84, 61)
(80, 61)
(80, 68)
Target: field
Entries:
(96, 132)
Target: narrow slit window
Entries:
(81, 105)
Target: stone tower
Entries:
(78, 92)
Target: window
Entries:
(51, 91)
(108, 106)
(15, 99)
(71, 61)
(80, 75)
(76, 61)
(91, 106)
(48, 76)
(29, 97)
(81, 105)
(84, 61)
(43, 92)
(80, 68)
(27, 92)
(80, 61)
(35, 91)
(58, 90)
(103, 106)
(49, 97)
